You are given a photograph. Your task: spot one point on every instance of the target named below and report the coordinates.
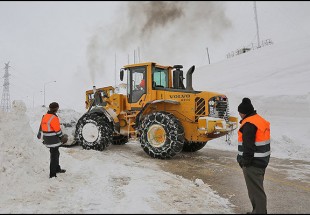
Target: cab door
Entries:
(137, 84)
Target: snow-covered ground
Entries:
(96, 182)
(275, 78)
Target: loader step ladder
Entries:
(132, 134)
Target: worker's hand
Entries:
(64, 138)
(245, 162)
(39, 135)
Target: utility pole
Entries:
(134, 56)
(5, 101)
(255, 12)
(208, 55)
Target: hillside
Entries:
(276, 78)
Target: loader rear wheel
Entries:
(190, 146)
(162, 135)
(94, 131)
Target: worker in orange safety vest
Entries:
(253, 153)
(52, 137)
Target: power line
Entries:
(255, 12)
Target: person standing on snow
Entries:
(253, 153)
(52, 137)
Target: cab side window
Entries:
(160, 78)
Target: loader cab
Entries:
(143, 78)
(155, 77)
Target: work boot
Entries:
(61, 171)
(51, 176)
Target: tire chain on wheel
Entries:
(174, 135)
(105, 137)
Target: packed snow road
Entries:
(286, 181)
(220, 170)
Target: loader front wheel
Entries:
(162, 135)
(190, 146)
(94, 131)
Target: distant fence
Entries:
(264, 43)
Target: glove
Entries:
(39, 135)
(245, 162)
(64, 138)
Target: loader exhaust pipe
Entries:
(94, 89)
(178, 77)
(189, 80)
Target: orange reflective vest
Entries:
(50, 127)
(262, 140)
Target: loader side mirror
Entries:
(122, 74)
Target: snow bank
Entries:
(21, 158)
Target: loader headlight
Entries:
(218, 107)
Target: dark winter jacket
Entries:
(251, 152)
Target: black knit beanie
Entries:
(246, 106)
(54, 106)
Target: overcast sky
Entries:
(76, 43)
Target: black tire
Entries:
(77, 130)
(120, 140)
(170, 135)
(193, 146)
(102, 129)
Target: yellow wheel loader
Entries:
(166, 116)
